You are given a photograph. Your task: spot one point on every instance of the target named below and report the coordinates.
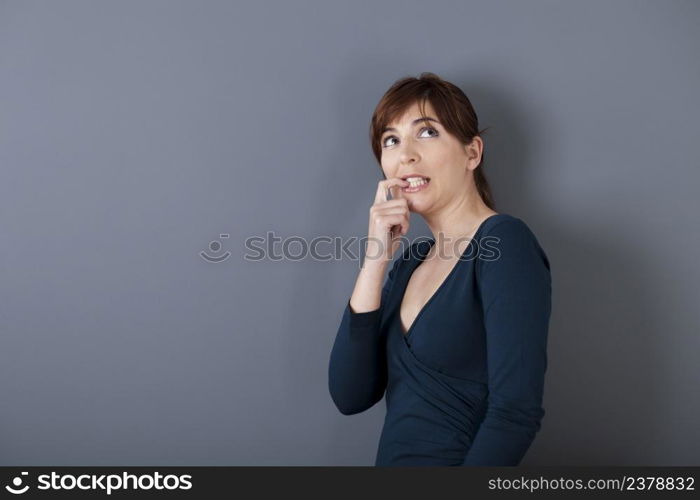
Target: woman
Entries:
(457, 335)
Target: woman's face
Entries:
(428, 150)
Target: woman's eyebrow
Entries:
(417, 120)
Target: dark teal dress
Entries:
(465, 385)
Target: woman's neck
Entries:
(455, 225)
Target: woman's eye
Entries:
(421, 131)
(390, 137)
(429, 128)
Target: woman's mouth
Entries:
(415, 184)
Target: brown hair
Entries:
(453, 109)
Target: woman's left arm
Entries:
(516, 292)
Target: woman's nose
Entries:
(408, 154)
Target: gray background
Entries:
(134, 133)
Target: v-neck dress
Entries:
(464, 385)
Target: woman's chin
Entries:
(418, 206)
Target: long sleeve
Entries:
(515, 289)
(357, 372)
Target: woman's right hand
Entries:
(388, 221)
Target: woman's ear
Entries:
(473, 152)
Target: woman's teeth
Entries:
(416, 181)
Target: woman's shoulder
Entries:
(505, 224)
(512, 235)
